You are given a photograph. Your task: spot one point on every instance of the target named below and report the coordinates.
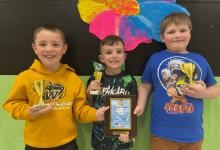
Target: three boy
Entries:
(174, 125)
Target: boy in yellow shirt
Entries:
(54, 127)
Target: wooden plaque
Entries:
(120, 117)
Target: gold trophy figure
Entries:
(188, 69)
(98, 76)
(40, 86)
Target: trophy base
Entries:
(38, 107)
(96, 93)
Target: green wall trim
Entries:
(11, 137)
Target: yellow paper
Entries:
(89, 9)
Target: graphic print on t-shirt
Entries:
(55, 91)
(122, 84)
(173, 73)
(52, 92)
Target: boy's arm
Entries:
(17, 102)
(17, 108)
(89, 98)
(203, 92)
(82, 111)
(143, 92)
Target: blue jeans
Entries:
(117, 149)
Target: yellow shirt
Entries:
(58, 126)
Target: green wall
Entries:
(11, 131)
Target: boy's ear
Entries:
(34, 47)
(162, 37)
(100, 58)
(65, 48)
(125, 56)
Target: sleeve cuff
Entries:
(28, 116)
(95, 119)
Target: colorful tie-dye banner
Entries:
(135, 21)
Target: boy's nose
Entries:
(114, 54)
(178, 34)
(49, 48)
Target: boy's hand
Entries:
(193, 91)
(125, 138)
(139, 110)
(36, 113)
(99, 114)
(94, 85)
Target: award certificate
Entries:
(120, 119)
(120, 113)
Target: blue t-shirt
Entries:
(175, 116)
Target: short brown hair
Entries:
(111, 40)
(176, 18)
(49, 27)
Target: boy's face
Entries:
(113, 57)
(49, 48)
(176, 38)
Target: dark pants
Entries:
(69, 146)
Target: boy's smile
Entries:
(50, 56)
(176, 38)
(113, 57)
(49, 48)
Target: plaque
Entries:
(120, 118)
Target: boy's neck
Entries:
(53, 68)
(112, 71)
(180, 52)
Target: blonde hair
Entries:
(49, 27)
(176, 18)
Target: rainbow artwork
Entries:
(135, 21)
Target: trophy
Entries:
(40, 86)
(188, 69)
(98, 76)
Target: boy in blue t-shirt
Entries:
(114, 81)
(177, 106)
